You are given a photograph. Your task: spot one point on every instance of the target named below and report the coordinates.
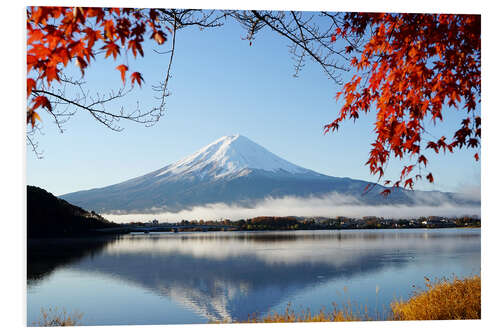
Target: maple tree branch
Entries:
(192, 17)
(31, 143)
(306, 37)
(300, 59)
(289, 35)
(162, 87)
(351, 40)
(101, 115)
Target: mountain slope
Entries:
(49, 216)
(232, 170)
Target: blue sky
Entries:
(221, 85)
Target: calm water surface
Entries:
(165, 278)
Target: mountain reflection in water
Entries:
(229, 275)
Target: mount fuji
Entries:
(231, 170)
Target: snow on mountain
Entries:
(229, 157)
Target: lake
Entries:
(181, 278)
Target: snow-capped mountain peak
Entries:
(231, 170)
(230, 156)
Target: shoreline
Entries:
(104, 233)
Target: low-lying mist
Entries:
(330, 205)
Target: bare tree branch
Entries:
(309, 35)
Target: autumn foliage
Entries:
(58, 36)
(411, 67)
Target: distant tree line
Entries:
(321, 223)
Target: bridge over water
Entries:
(160, 228)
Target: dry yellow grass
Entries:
(53, 317)
(346, 313)
(442, 300)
